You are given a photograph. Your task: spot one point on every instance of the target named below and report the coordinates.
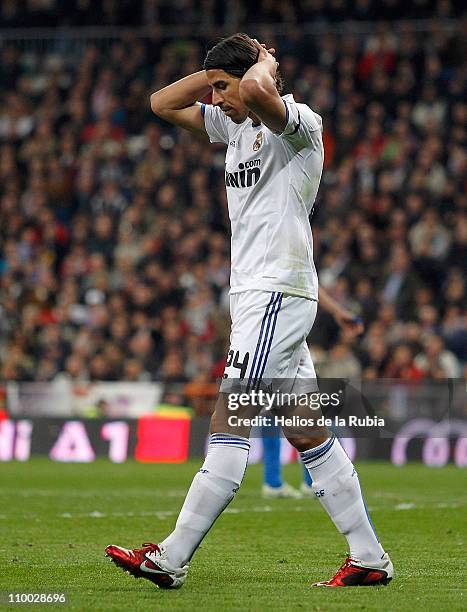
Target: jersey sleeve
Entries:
(216, 123)
(303, 127)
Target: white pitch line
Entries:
(409, 506)
(256, 509)
(163, 514)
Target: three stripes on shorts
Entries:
(263, 346)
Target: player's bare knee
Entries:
(224, 420)
(304, 443)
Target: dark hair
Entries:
(235, 55)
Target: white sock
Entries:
(335, 483)
(211, 491)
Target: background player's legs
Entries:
(273, 485)
(213, 487)
(272, 457)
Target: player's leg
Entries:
(336, 485)
(214, 486)
(212, 489)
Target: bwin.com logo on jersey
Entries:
(247, 175)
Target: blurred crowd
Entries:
(52, 13)
(114, 233)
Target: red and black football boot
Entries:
(148, 562)
(357, 573)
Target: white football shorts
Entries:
(268, 346)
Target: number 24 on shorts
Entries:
(233, 359)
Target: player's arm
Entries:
(178, 103)
(346, 319)
(259, 93)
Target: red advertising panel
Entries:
(162, 439)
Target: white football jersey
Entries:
(271, 181)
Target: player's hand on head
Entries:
(265, 53)
(269, 50)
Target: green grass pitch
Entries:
(56, 519)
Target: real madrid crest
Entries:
(258, 142)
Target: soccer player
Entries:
(273, 168)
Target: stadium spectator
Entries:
(436, 361)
